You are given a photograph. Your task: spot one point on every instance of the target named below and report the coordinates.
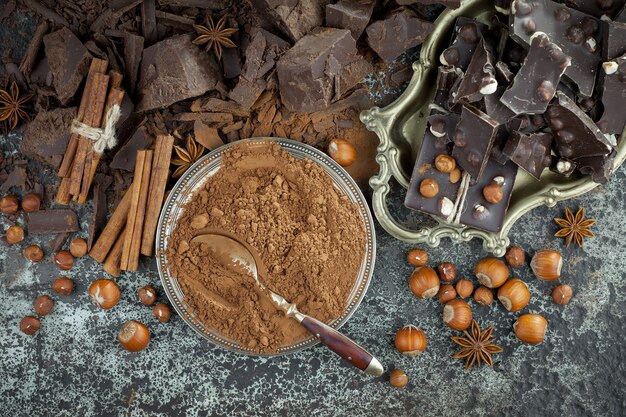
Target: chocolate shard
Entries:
(294, 18)
(563, 166)
(133, 48)
(612, 94)
(207, 136)
(597, 8)
(480, 78)
(17, 178)
(400, 30)
(599, 167)
(52, 221)
(576, 33)
(530, 152)
(614, 40)
(148, 21)
(126, 155)
(479, 213)
(353, 15)
(46, 137)
(577, 136)
(473, 139)
(503, 72)
(536, 81)
(173, 70)
(496, 109)
(447, 79)
(309, 72)
(467, 35)
(69, 62)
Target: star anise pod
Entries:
(574, 227)
(215, 36)
(12, 106)
(186, 156)
(477, 346)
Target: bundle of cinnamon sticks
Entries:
(102, 91)
(131, 230)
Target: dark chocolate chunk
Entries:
(476, 211)
(173, 70)
(443, 126)
(563, 166)
(473, 140)
(148, 21)
(576, 135)
(496, 109)
(535, 83)
(447, 79)
(126, 155)
(597, 8)
(353, 15)
(17, 178)
(480, 77)
(294, 18)
(69, 62)
(502, 136)
(467, 34)
(599, 167)
(530, 152)
(308, 73)
(576, 33)
(133, 48)
(400, 30)
(46, 137)
(612, 94)
(52, 221)
(614, 40)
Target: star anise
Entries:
(186, 156)
(477, 346)
(575, 227)
(216, 36)
(12, 106)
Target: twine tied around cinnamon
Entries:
(103, 138)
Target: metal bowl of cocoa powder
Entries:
(304, 217)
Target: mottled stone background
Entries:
(74, 367)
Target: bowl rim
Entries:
(195, 176)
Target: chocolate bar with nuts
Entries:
(613, 96)
(480, 77)
(530, 152)
(468, 32)
(443, 126)
(613, 40)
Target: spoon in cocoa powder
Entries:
(238, 257)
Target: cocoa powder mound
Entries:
(308, 236)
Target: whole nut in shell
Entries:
(78, 247)
(43, 305)
(33, 253)
(530, 328)
(64, 260)
(446, 271)
(9, 204)
(457, 314)
(446, 293)
(134, 336)
(147, 295)
(561, 294)
(429, 188)
(546, 264)
(515, 256)
(491, 272)
(63, 286)
(342, 151)
(424, 282)
(464, 288)
(410, 341)
(483, 295)
(29, 325)
(514, 294)
(162, 312)
(31, 202)
(14, 234)
(398, 379)
(417, 257)
(104, 293)
(445, 163)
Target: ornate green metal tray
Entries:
(400, 127)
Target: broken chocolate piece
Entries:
(133, 48)
(443, 126)
(563, 166)
(447, 79)
(46, 137)
(536, 81)
(467, 34)
(473, 140)
(353, 15)
(530, 152)
(125, 157)
(576, 33)
(614, 40)
(17, 178)
(207, 136)
(69, 62)
(480, 77)
(52, 221)
(148, 21)
(597, 8)
(294, 18)
(576, 135)
(612, 94)
(599, 167)
(397, 32)
(496, 109)
(173, 70)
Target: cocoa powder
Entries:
(309, 238)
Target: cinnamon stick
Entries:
(137, 212)
(112, 263)
(113, 228)
(158, 181)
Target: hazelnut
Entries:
(445, 163)
(464, 288)
(446, 271)
(30, 325)
(147, 295)
(63, 286)
(43, 305)
(561, 294)
(104, 293)
(455, 175)
(547, 264)
(515, 256)
(491, 272)
(64, 260)
(417, 257)
(429, 188)
(446, 293)
(493, 193)
(15, 234)
(342, 151)
(33, 253)
(457, 314)
(483, 295)
(514, 294)
(530, 328)
(398, 379)
(162, 312)
(424, 282)
(78, 247)
(134, 336)
(31, 202)
(410, 341)
(9, 204)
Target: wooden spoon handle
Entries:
(343, 346)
